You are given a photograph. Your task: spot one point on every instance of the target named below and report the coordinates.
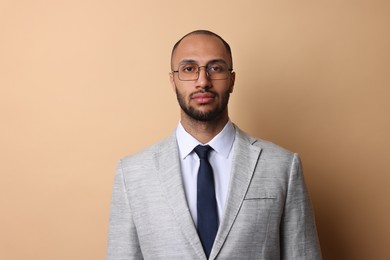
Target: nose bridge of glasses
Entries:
(205, 69)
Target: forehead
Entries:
(200, 48)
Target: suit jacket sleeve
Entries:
(122, 236)
(298, 231)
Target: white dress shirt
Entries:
(220, 159)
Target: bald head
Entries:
(206, 33)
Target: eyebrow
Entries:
(211, 61)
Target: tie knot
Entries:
(202, 151)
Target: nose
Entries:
(203, 78)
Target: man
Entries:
(210, 191)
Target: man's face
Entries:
(202, 99)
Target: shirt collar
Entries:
(222, 143)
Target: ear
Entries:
(232, 80)
(172, 80)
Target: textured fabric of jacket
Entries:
(267, 216)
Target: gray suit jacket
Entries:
(267, 214)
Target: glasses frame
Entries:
(198, 72)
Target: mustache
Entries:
(203, 91)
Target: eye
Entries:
(216, 68)
(188, 68)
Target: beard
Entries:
(201, 115)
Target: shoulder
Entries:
(148, 155)
(273, 161)
(266, 146)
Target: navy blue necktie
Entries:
(206, 202)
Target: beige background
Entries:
(83, 83)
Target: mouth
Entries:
(203, 97)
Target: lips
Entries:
(203, 97)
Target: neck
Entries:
(203, 131)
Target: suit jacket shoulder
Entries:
(270, 153)
(148, 156)
(264, 144)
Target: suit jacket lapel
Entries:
(171, 180)
(245, 158)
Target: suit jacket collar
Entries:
(245, 158)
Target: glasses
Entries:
(214, 71)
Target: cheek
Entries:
(223, 89)
(183, 89)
